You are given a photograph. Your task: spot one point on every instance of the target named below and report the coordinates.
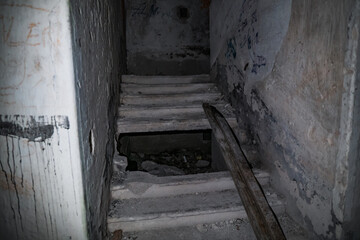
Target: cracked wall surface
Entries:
(167, 37)
(41, 192)
(285, 67)
(99, 59)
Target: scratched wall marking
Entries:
(19, 66)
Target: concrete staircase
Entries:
(168, 103)
(143, 202)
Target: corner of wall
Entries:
(98, 53)
(346, 192)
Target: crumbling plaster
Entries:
(167, 37)
(282, 66)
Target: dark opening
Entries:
(183, 13)
(168, 153)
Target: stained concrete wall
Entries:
(289, 68)
(99, 59)
(41, 190)
(167, 37)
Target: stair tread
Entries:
(220, 103)
(231, 229)
(143, 185)
(126, 111)
(168, 117)
(139, 176)
(180, 205)
(170, 100)
(158, 125)
(150, 89)
(202, 78)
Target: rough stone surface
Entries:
(167, 37)
(284, 68)
(99, 60)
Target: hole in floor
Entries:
(171, 153)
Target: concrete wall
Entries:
(289, 68)
(99, 60)
(41, 191)
(167, 37)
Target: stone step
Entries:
(144, 185)
(170, 99)
(165, 125)
(232, 229)
(139, 214)
(134, 79)
(150, 89)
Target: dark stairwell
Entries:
(168, 54)
(90, 88)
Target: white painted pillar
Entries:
(41, 189)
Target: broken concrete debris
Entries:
(202, 163)
(178, 162)
(120, 163)
(160, 169)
